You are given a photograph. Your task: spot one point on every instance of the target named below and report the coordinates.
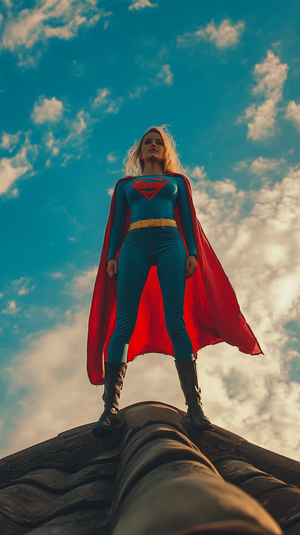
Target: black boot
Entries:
(114, 377)
(187, 372)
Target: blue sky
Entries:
(80, 82)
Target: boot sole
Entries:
(202, 426)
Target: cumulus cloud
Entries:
(13, 168)
(23, 287)
(260, 253)
(270, 76)
(260, 165)
(198, 172)
(111, 157)
(57, 275)
(81, 122)
(47, 110)
(52, 143)
(293, 113)
(140, 4)
(84, 282)
(9, 141)
(101, 98)
(107, 104)
(11, 308)
(51, 18)
(164, 75)
(224, 36)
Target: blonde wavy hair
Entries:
(134, 164)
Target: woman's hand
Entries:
(112, 268)
(190, 266)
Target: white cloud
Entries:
(47, 110)
(224, 187)
(106, 103)
(12, 168)
(9, 141)
(57, 275)
(198, 172)
(11, 308)
(114, 106)
(164, 75)
(84, 282)
(260, 165)
(293, 113)
(260, 253)
(263, 120)
(270, 76)
(80, 124)
(101, 97)
(111, 157)
(140, 4)
(20, 286)
(224, 36)
(50, 18)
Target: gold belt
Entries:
(143, 223)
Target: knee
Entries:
(175, 328)
(124, 329)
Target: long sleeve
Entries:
(185, 217)
(119, 221)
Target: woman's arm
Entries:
(117, 230)
(185, 217)
(187, 227)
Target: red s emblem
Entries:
(150, 187)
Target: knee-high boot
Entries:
(114, 377)
(187, 372)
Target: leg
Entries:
(133, 270)
(188, 377)
(171, 272)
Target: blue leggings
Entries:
(142, 248)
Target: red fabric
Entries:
(211, 311)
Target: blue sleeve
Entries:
(185, 217)
(118, 227)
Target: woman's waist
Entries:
(152, 222)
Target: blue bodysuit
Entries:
(151, 197)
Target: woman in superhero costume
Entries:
(160, 287)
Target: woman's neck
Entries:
(152, 168)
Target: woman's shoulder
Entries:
(178, 176)
(181, 180)
(122, 181)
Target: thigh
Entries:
(133, 269)
(171, 273)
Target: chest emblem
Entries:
(149, 188)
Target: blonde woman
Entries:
(160, 287)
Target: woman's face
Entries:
(152, 149)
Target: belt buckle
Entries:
(151, 222)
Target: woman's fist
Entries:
(112, 268)
(190, 266)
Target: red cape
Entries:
(211, 311)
